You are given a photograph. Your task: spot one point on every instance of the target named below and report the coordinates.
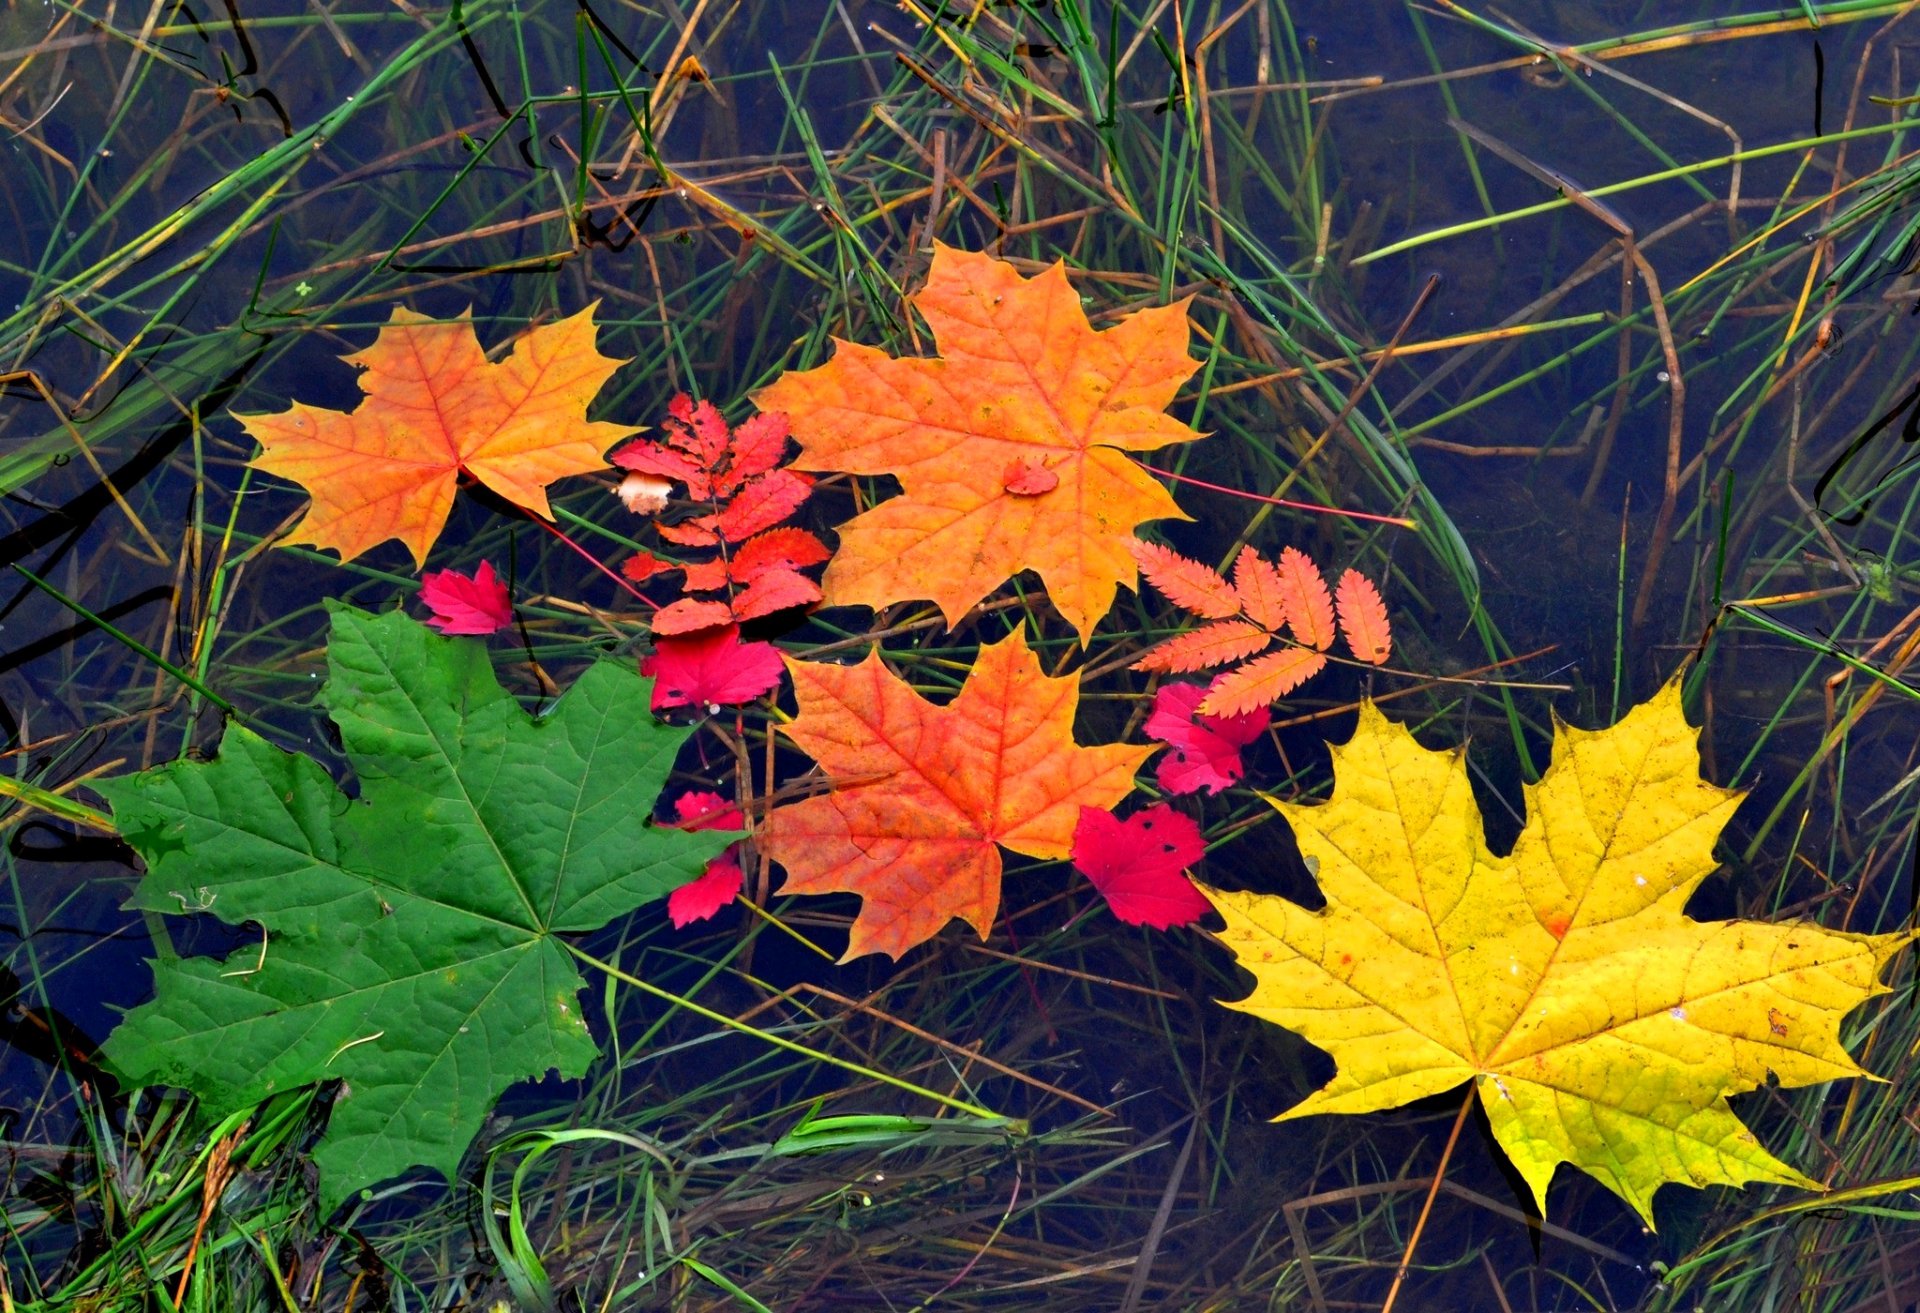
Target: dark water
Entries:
(447, 191)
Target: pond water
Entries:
(1616, 301)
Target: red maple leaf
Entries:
(466, 604)
(1139, 864)
(1205, 749)
(705, 894)
(712, 668)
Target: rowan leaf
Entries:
(763, 503)
(1309, 609)
(412, 944)
(1600, 1025)
(1262, 593)
(1363, 618)
(1187, 583)
(1022, 377)
(776, 549)
(774, 590)
(1206, 647)
(690, 615)
(1261, 681)
(924, 794)
(437, 408)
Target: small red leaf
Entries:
(776, 590)
(1188, 584)
(1209, 645)
(706, 576)
(642, 566)
(690, 615)
(758, 446)
(1204, 750)
(1262, 594)
(646, 457)
(1262, 681)
(1029, 478)
(462, 604)
(763, 503)
(1363, 618)
(1309, 609)
(704, 895)
(699, 429)
(703, 809)
(711, 669)
(776, 549)
(1139, 864)
(697, 532)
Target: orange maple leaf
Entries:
(435, 408)
(1025, 389)
(924, 793)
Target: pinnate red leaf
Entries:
(776, 590)
(699, 531)
(763, 503)
(1363, 618)
(1263, 596)
(1187, 583)
(705, 576)
(758, 446)
(1205, 647)
(710, 669)
(1204, 751)
(1262, 681)
(703, 809)
(776, 549)
(1309, 609)
(690, 615)
(664, 462)
(1139, 864)
(463, 604)
(642, 566)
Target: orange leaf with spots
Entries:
(924, 796)
(1023, 379)
(437, 408)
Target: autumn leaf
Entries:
(1601, 1025)
(1205, 750)
(475, 604)
(924, 795)
(1010, 447)
(1139, 864)
(710, 669)
(702, 897)
(437, 408)
(1247, 615)
(736, 472)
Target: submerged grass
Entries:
(1654, 411)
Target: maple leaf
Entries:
(1139, 864)
(712, 668)
(1247, 615)
(413, 944)
(923, 794)
(1206, 749)
(475, 604)
(1010, 447)
(702, 897)
(1600, 1025)
(437, 408)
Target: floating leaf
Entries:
(923, 794)
(1139, 864)
(475, 604)
(712, 668)
(1022, 377)
(1188, 584)
(437, 408)
(1363, 618)
(1309, 609)
(412, 946)
(1600, 1025)
(1205, 749)
(1206, 647)
(1262, 681)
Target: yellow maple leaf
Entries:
(1601, 1025)
(436, 407)
(1010, 447)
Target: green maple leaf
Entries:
(411, 946)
